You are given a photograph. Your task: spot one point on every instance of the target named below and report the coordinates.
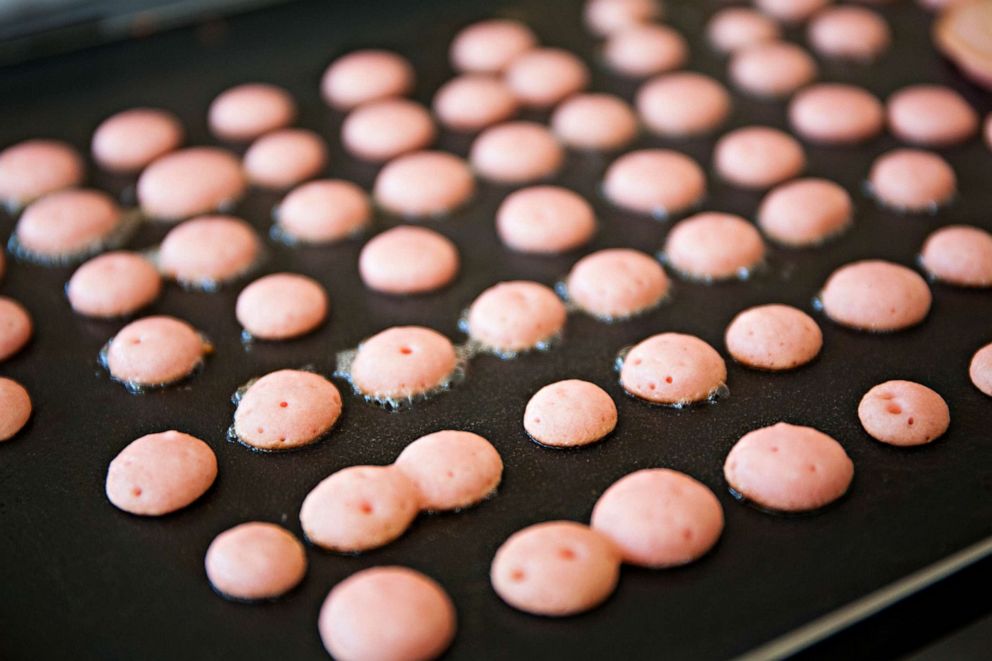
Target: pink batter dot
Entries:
(931, 115)
(805, 212)
(772, 69)
(714, 246)
(284, 158)
(732, 28)
(912, 180)
(788, 468)
(595, 122)
(673, 369)
(773, 337)
(155, 351)
(903, 413)
(516, 316)
(833, 113)
(15, 408)
(542, 77)
(791, 11)
(849, 33)
(190, 182)
(758, 157)
(114, 284)
(67, 224)
(874, 295)
(248, 111)
(382, 130)
(489, 46)
(360, 508)
(452, 469)
(980, 369)
(387, 612)
(160, 473)
(617, 283)
(366, 75)
(254, 561)
(474, 101)
(209, 251)
(659, 518)
(556, 569)
(959, 255)
(403, 362)
(408, 260)
(516, 152)
(960, 32)
(282, 306)
(604, 17)
(32, 168)
(130, 140)
(16, 327)
(683, 104)
(570, 414)
(659, 182)
(324, 211)
(645, 50)
(545, 220)
(423, 184)
(286, 409)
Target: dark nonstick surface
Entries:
(81, 579)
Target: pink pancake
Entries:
(155, 351)
(68, 224)
(570, 414)
(805, 212)
(959, 255)
(849, 33)
(673, 369)
(360, 508)
(286, 409)
(387, 613)
(758, 157)
(382, 130)
(912, 180)
(659, 182)
(903, 413)
(489, 46)
(423, 184)
(714, 246)
(875, 295)
(208, 251)
(773, 337)
(15, 408)
(604, 17)
(834, 113)
(255, 560)
(980, 369)
(190, 182)
(683, 104)
(245, 112)
(324, 211)
(556, 568)
(545, 220)
(15, 327)
(788, 468)
(160, 473)
(516, 153)
(791, 11)
(130, 140)
(32, 168)
(732, 28)
(645, 50)
(408, 260)
(595, 122)
(451, 469)
(961, 33)
(617, 283)
(931, 115)
(772, 69)
(403, 362)
(366, 75)
(542, 77)
(284, 158)
(474, 101)
(282, 306)
(659, 518)
(114, 284)
(516, 316)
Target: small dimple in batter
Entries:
(903, 413)
(286, 409)
(570, 413)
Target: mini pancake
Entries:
(569, 414)
(387, 612)
(365, 75)
(422, 184)
(732, 28)
(931, 115)
(912, 180)
(772, 69)
(791, 11)
(155, 351)
(254, 561)
(129, 140)
(489, 46)
(980, 369)
(516, 316)
(556, 569)
(245, 112)
(673, 369)
(659, 518)
(160, 473)
(714, 246)
(645, 50)
(451, 469)
(903, 413)
(15, 327)
(282, 306)
(15, 408)
(324, 211)
(284, 158)
(542, 77)
(545, 220)
(114, 284)
(35, 167)
(190, 182)
(836, 114)
(67, 225)
(659, 182)
(849, 33)
(208, 251)
(617, 284)
(875, 295)
(682, 104)
(805, 212)
(773, 337)
(360, 508)
(960, 32)
(959, 255)
(758, 157)
(516, 153)
(408, 260)
(403, 362)
(594, 122)
(604, 17)
(286, 409)
(472, 102)
(382, 130)
(788, 468)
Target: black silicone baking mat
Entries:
(80, 579)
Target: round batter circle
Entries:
(282, 159)
(912, 181)
(255, 561)
(189, 182)
(424, 184)
(451, 469)
(673, 369)
(324, 211)
(594, 122)
(155, 351)
(758, 157)
(16, 327)
(714, 246)
(658, 182)
(408, 260)
(281, 306)
(245, 112)
(15, 408)
(382, 130)
(285, 410)
(805, 212)
(875, 295)
(569, 414)
(472, 102)
(367, 75)
(773, 338)
(115, 284)
(545, 220)
(32, 168)
(516, 153)
(683, 104)
(617, 283)
(403, 362)
(129, 140)
(959, 255)
(903, 413)
(516, 316)
(208, 251)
